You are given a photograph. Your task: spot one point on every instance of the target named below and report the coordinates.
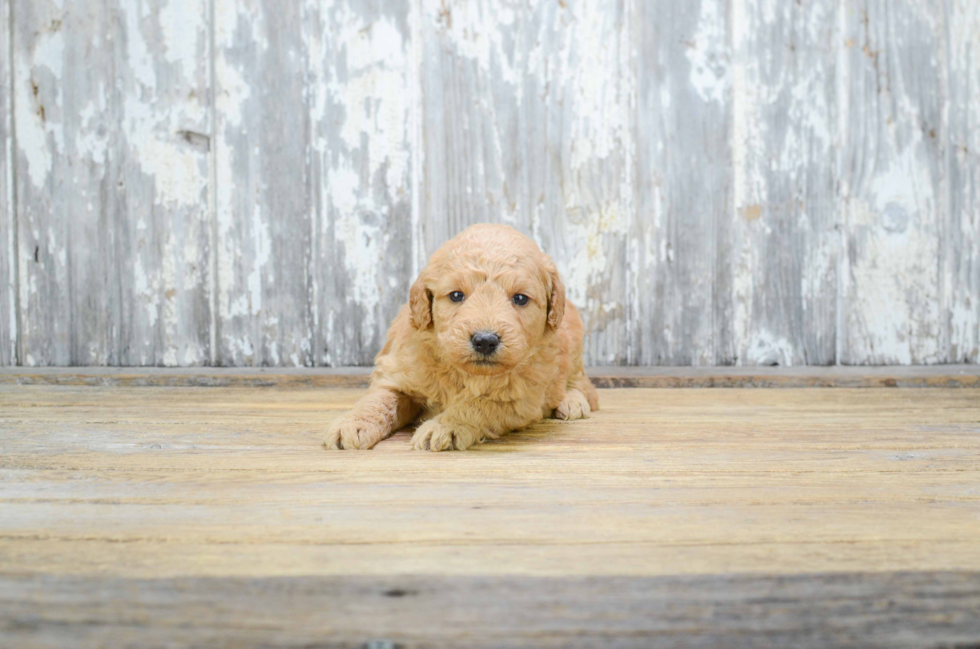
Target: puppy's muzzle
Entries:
(485, 343)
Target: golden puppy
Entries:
(486, 345)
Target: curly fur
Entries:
(429, 372)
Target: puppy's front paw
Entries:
(573, 406)
(350, 433)
(433, 435)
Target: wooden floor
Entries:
(687, 517)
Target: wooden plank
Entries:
(470, 75)
(263, 185)
(361, 170)
(8, 230)
(962, 254)
(893, 183)
(575, 148)
(523, 125)
(160, 164)
(66, 208)
(898, 609)
(785, 235)
(935, 376)
(111, 103)
(157, 483)
(212, 517)
(683, 183)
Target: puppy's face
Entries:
(487, 312)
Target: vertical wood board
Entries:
(111, 168)
(162, 221)
(576, 153)
(63, 98)
(360, 170)
(893, 181)
(263, 185)
(784, 234)
(682, 183)
(8, 230)
(962, 237)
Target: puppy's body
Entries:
(486, 345)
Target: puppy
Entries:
(487, 344)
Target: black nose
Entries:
(485, 342)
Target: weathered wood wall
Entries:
(255, 182)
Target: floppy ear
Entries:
(420, 302)
(556, 301)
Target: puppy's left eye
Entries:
(456, 296)
(520, 299)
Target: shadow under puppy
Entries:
(486, 345)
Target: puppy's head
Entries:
(487, 299)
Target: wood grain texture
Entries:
(681, 237)
(203, 516)
(112, 182)
(471, 72)
(525, 111)
(67, 190)
(906, 609)
(575, 154)
(263, 185)
(893, 181)
(242, 183)
(361, 161)
(161, 170)
(962, 240)
(233, 481)
(8, 230)
(784, 235)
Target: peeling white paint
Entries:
(597, 127)
(193, 356)
(373, 97)
(139, 59)
(360, 102)
(232, 93)
(146, 293)
(558, 75)
(182, 22)
(262, 251)
(767, 349)
(962, 280)
(746, 137)
(361, 247)
(37, 141)
(783, 242)
(585, 264)
(708, 53)
(465, 24)
(892, 292)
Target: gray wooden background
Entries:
(255, 182)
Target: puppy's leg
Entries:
(440, 434)
(375, 417)
(465, 424)
(574, 406)
(580, 399)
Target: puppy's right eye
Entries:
(457, 296)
